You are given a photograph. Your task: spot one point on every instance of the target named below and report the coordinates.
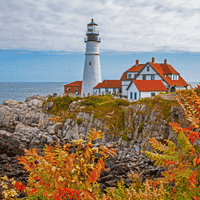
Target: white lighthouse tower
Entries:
(92, 69)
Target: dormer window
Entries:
(129, 75)
(144, 77)
(175, 77)
(148, 68)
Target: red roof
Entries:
(150, 85)
(76, 83)
(134, 68)
(162, 69)
(165, 69)
(109, 84)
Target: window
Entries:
(153, 94)
(69, 89)
(135, 75)
(152, 77)
(76, 89)
(135, 95)
(148, 68)
(175, 77)
(129, 75)
(144, 77)
(88, 94)
(114, 90)
(90, 63)
(106, 89)
(83, 94)
(131, 95)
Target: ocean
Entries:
(20, 90)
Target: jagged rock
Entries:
(72, 133)
(25, 126)
(73, 106)
(38, 97)
(35, 103)
(48, 106)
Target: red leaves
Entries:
(195, 198)
(33, 191)
(169, 162)
(192, 180)
(18, 186)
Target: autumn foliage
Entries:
(182, 161)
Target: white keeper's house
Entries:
(141, 80)
(147, 80)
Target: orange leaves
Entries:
(95, 174)
(60, 172)
(70, 192)
(192, 180)
(108, 151)
(94, 135)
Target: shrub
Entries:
(63, 174)
(79, 121)
(140, 128)
(60, 103)
(122, 102)
(182, 162)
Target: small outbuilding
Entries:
(108, 87)
(73, 88)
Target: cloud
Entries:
(138, 25)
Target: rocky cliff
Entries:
(26, 125)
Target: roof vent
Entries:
(165, 61)
(153, 60)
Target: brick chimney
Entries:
(153, 60)
(137, 62)
(165, 61)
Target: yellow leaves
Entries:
(96, 149)
(194, 161)
(61, 179)
(53, 169)
(78, 141)
(94, 135)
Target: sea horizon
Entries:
(19, 91)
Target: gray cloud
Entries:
(139, 25)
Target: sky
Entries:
(43, 41)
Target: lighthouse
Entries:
(92, 69)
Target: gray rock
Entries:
(35, 103)
(11, 103)
(48, 106)
(72, 133)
